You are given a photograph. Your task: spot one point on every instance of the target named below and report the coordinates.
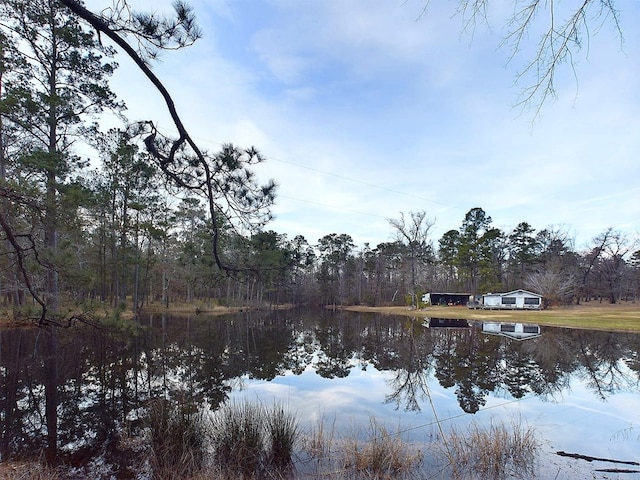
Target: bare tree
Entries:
(555, 288)
(413, 233)
(591, 259)
(610, 269)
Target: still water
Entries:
(68, 393)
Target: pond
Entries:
(68, 393)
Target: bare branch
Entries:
(175, 163)
(562, 37)
(19, 252)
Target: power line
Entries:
(331, 174)
(325, 205)
(169, 131)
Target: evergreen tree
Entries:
(63, 72)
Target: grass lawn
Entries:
(592, 315)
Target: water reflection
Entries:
(515, 331)
(71, 393)
(446, 323)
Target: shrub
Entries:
(282, 434)
(248, 438)
(177, 440)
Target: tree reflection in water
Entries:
(73, 393)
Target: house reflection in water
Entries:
(446, 323)
(517, 331)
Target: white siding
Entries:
(517, 299)
(492, 300)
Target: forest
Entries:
(157, 220)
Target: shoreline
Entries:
(619, 317)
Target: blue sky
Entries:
(365, 109)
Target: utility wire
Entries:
(330, 174)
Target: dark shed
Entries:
(447, 298)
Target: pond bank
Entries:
(623, 317)
(96, 315)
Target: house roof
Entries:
(515, 335)
(514, 292)
(447, 293)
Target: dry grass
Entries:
(380, 455)
(318, 443)
(29, 471)
(494, 452)
(592, 315)
(376, 454)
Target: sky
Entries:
(366, 109)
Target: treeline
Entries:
(72, 232)
(123, 243)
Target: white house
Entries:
(517, 331)
(517, 299)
